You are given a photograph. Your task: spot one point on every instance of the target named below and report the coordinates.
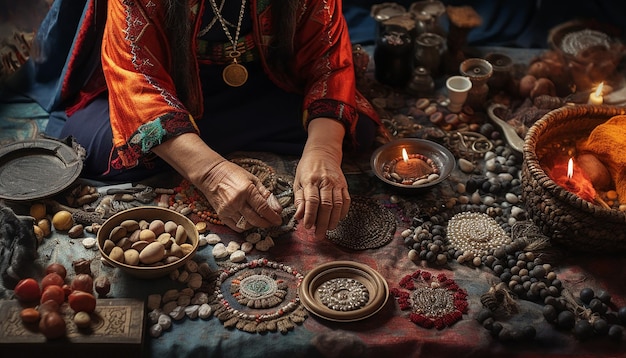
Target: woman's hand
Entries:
(239, 198)
(320, 188)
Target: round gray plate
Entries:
(36, 169)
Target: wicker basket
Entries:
(568, 220)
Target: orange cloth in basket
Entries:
(608, 143)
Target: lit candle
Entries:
(596, 97)
(408, 167)
(570, 169)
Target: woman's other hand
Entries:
(320, 188)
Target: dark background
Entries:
(510, 23)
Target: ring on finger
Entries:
(241, 223)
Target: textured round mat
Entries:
(368, 225)
(258, 296)
(432, 300)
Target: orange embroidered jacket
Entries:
(144, 106)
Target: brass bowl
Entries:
(374, 283)
(148, 213)
(442, 158)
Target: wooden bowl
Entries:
(148, 213)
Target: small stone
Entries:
(204, 311)
(213, 239)
(247, 247)
(490, 165)
(511, 198)
(420, 182)
(477, 261)
(265, 244)
(253, 238)
(219, 251)
(238, 256)
(516, 211)
(156, 330)
(490, 155)
(232, 247)
(413, 255)
(489, 200)
(177, 313)
(89, 242)
(466, 166)
(164, 321)
(192, 311)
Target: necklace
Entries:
(210, 25)
(234, 74)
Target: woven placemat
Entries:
(368, 225)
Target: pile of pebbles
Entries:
(493, 187)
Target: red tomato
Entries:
(27, 290)
(52, 279)
(81, 301)
(54, 293)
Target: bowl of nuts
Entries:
(147, 241)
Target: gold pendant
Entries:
(235, 75)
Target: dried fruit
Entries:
(62, 220)
(38, 211)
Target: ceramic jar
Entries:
(428, 50)
(478, 71)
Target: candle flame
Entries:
(599, 89)
(405, 156)
(570, 168)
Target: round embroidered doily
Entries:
(259, 296)
(368, 225)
